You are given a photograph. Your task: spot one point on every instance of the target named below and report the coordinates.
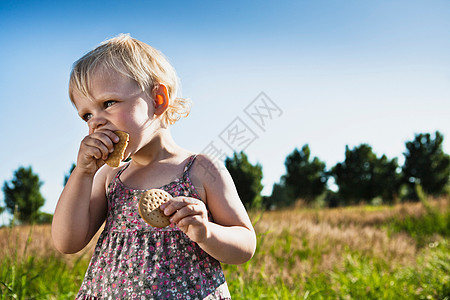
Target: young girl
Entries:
(127, 85)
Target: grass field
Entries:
(365, 252)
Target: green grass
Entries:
(291, 262)
(369, 278)
(423, 228)
(40, 278)
(360, 278)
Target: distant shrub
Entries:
(44, 218)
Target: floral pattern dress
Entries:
(133, 260)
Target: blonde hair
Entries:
(137, 60)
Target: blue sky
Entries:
(342, 73)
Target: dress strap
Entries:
(189, 163)
(121, 170)
(116, 179)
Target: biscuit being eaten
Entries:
(149, 209)
(117, 155)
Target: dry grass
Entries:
(292, 243)
(296, 242)
(36, 240)
(330, 231)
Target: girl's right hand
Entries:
(94, 149)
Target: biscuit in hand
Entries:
(118, 154)
(149, 207)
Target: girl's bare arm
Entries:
(81, 208)
(80, 211)
(230, 238)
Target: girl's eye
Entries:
(87, 117)
(109, 103)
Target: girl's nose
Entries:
(96, 123)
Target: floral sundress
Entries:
(133, 260)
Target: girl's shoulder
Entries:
(210, 172)
(205, 164)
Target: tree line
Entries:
(363, 177)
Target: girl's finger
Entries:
(103, 141)
(107, 137)
(176, 204)
(186, 212)
(95, 152)
(93, 143)
(112, 136)
(188, 221)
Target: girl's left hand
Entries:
(190, 215)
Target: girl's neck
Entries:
(161, 147)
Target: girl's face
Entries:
(118, 103)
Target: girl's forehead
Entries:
(111, 81)
(104, 72)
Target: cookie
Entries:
(117, 155)
(149, 205)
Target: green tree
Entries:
(304, 178)
(247, 178)
(387, 179)
(279, 197)
(363, 176)
(426, 164)
(23, 193)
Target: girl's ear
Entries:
(161, 99)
